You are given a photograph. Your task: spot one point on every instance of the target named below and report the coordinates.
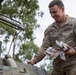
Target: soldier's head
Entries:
(59, 3)
(56, 9)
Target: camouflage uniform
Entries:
(67, 34)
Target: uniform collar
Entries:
(57, 25)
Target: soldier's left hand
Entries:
(70, 52)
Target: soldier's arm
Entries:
(71, 50)
(40, 55)
(46, 43)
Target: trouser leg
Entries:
(57, 70)
(70, 70)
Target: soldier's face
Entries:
(56, 13)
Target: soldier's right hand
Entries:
(32, 62)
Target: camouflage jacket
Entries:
(65, 32)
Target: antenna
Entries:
(11, 22)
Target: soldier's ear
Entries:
(62, 9)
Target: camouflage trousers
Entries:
(64, 68)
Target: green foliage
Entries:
(23, 11)
(50, 69)
(27, 50)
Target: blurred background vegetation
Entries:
(20, 43)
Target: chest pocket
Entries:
(61, 34)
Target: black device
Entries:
(0, 3)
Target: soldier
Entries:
(62, 29)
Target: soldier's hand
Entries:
(71, 51)
(32, 62)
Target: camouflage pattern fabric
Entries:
(65, 32)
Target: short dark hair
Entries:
(59, 3)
